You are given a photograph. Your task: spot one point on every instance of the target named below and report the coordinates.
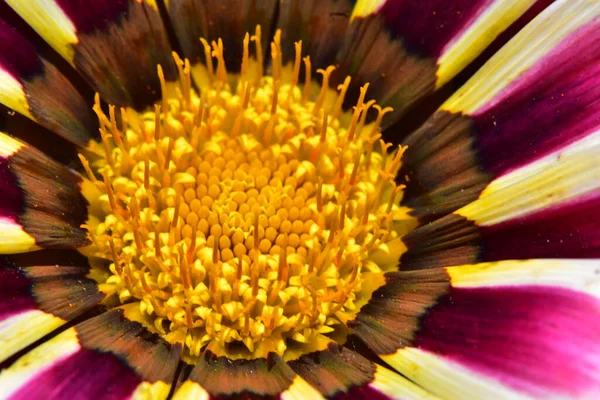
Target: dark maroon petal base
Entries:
(63, 291)
(335, 371)
(15, 291)
(428, 25)
(362, 393)
(18, 56)
(97, 15)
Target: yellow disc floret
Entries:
(250, 220)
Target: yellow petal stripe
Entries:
(532, 43)
(12, 94)
(19, 331)
(50, 22)
(529, 171)
(9, 145)
(191, 391)
(362, 8)
(480, 33)
(26, 367)
(300, 390)
(13, 239)
(445, 378)
(396, 386)
(565, 176)
(152, 391)
(576, 274)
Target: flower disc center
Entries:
(251, 220)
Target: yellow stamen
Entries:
(113, 127)
(218, 54)
(380, 113)
(326, 73)
(163, 88)
(256, 38)
(307, 79)
(343, 88)
(86, 166)
(245, 56)
(297, 61)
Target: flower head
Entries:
(245, 217)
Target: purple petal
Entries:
(554, 104)
(428, 25)
(86, 374)
(15, 292)
(535, 339)
(565, 231)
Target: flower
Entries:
(244, 218)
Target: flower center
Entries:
(250, 220)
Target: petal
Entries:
(389, 384)
(565, 230)
(319, 24)
(426, 43)
(116, 45)
(526, 328)
(298, 389)
(570, 175)
(550, 69)
(448, 379)
(576, 275)
(391, 318)
(222, 377)
(35, 300)
(476, 33)
(342, 374)
(228, 20)
(32, 86)
(42, 205)
(191, 391)
(107, 356)
(545, 209)
(334, 371)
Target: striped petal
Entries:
(342, 374)
(106, 357)
(538, 94)
(568, 230)
(546, 209)
(116, 45)
(42, 205)
(319, 24)
(298, 389)
(425, 43)
(35, 300)
(517, 329)
(211, 20)
(35, 88)
(221, 377)
(335, 373)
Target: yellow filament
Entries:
(208, 59)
